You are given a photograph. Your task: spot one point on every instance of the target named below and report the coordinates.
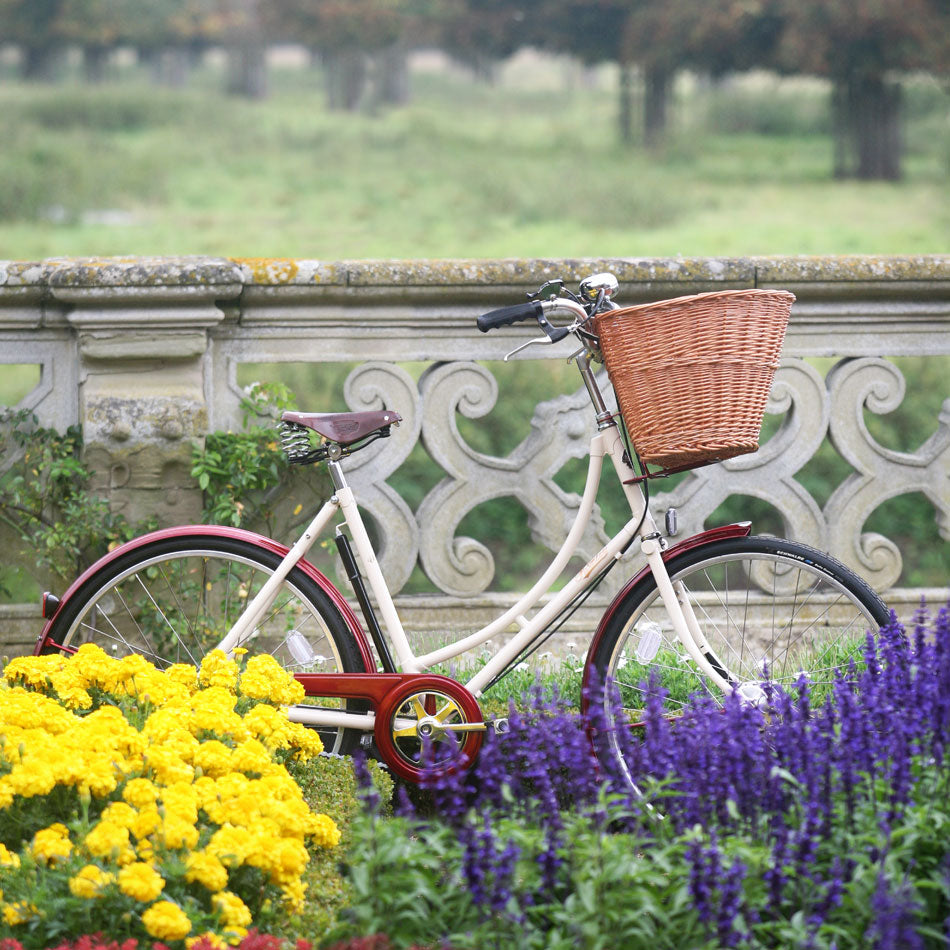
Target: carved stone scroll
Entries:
(880, 473)
(560, 429)
(386, 386)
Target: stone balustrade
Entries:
(145, 354)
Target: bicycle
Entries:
(722, 611)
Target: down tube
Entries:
(515, 614)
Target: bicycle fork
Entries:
(679, 609)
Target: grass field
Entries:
(466, 170)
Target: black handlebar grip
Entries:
(508, 315)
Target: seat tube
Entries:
(374, 575)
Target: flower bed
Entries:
(151, 805)
(798, 826)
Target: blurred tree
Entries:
(863, 46)
(345, 33)
(718, 37)
(98, 27)
(592, 30)
(27, 24)
(481, 33)
(245, 34)
(175, 32)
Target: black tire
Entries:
(770, 609)
(173, 600)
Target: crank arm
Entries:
(499, 725)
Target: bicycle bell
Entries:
(592, 286)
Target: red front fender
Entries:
(740, 530)
(222, 531)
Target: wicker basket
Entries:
(692, 375)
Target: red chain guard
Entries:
(387, 691)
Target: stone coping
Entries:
(213, 272)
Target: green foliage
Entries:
(46, 497)
(237, 471)
(329, 786)
(406, 880)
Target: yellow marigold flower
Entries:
(146, 822)
(213, 757)
(184, 674)
(230, 845)
(23, 709)
(32, 670)
(294, 893)
(252, 756)
(90, 881)
(166, 921)
(141, 881)
(8, 858)
(284, 860)
(212, 711)
(231, 909)
(19, 913)
(109, 840)
(96, 667)
(207, 870)
(179, 834)
(51, 843)
(324, 831)
(32, 781)
(119, 813)
(167, 765)
(140, 793)
(132, 665)
(264, 678)
(217, 669)
(180, 802)
(69, 686)
(6, 792)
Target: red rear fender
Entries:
(221, 531)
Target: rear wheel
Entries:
(770, 611)
(173, 600)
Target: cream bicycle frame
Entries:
(606, 442)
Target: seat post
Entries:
(336, 475)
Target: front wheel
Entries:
(770, 611)
(173, 600)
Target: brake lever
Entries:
(540, 340)
(553, 334)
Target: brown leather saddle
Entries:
(345, 428)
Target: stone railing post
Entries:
(142, 332)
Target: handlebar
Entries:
(538, 309)
(596, 293)
(505, 316)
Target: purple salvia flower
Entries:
(894, 910)
(366, 789)
(730, 903)
(699, 885)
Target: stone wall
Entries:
(144, 353)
